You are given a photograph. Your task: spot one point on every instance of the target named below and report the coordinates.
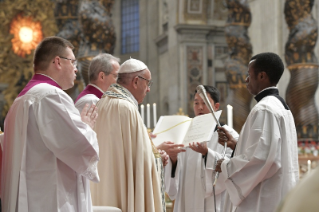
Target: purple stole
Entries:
(38, 79)
(90, 90)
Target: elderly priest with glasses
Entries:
(128, 167)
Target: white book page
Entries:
(171, 128)
(201, 128)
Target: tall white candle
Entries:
(142, 112)
(148, 116)
(309, 166)
(154, 114)
(230, 116)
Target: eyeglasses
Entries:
(74, 62)
(115, 75)
(150, 82)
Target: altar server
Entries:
(47, 143)
(103, 72)
(265, 163)
(185, 175)
(129, 179)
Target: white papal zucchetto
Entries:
(131, 66)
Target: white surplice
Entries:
(89, 98)
(265, 164)
(83, 182)
(46, 145)
(189, 187)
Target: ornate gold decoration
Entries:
(98, 32)
(27, 34)
(303, 66)
(240, 50)
(15, 70)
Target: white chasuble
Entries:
(127, 168)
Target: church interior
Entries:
(184, 43)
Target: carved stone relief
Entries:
(194, 74)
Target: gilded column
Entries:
(240, 50)
(303, 66)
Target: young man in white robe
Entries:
(185, 175)
(265, 163)
(128, 170)
(47, 142)
(103, 71)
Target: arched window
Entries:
(130, 26)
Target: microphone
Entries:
(202, 93)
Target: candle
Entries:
(148, 114)
(142, 112)
(154, 114)
(309, 166)
(230, 116)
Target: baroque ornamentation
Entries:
(240, 50)
(303, 66)
(194, 74)
(98, 32)
(16, 71)
(27, 34)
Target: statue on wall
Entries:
(303, 66)
(240, 50)
(88, 25)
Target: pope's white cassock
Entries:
(127, 168)
(46, 146)
(265, 164)
(189, 187)
(90, 95)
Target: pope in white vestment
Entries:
(265, 163)
(130, 181)
(46, 145)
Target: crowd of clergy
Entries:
(62, 155)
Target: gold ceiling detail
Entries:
(27, 34)
(16, 71)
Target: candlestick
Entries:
(148, 116)
(309, 166)
(142, 112)
(154, 114)
(230, 116)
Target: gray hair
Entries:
(101, 62)
(125, 78)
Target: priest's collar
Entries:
(48, 77)
(97, 87)
(266, 92)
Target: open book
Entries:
(184, 130)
